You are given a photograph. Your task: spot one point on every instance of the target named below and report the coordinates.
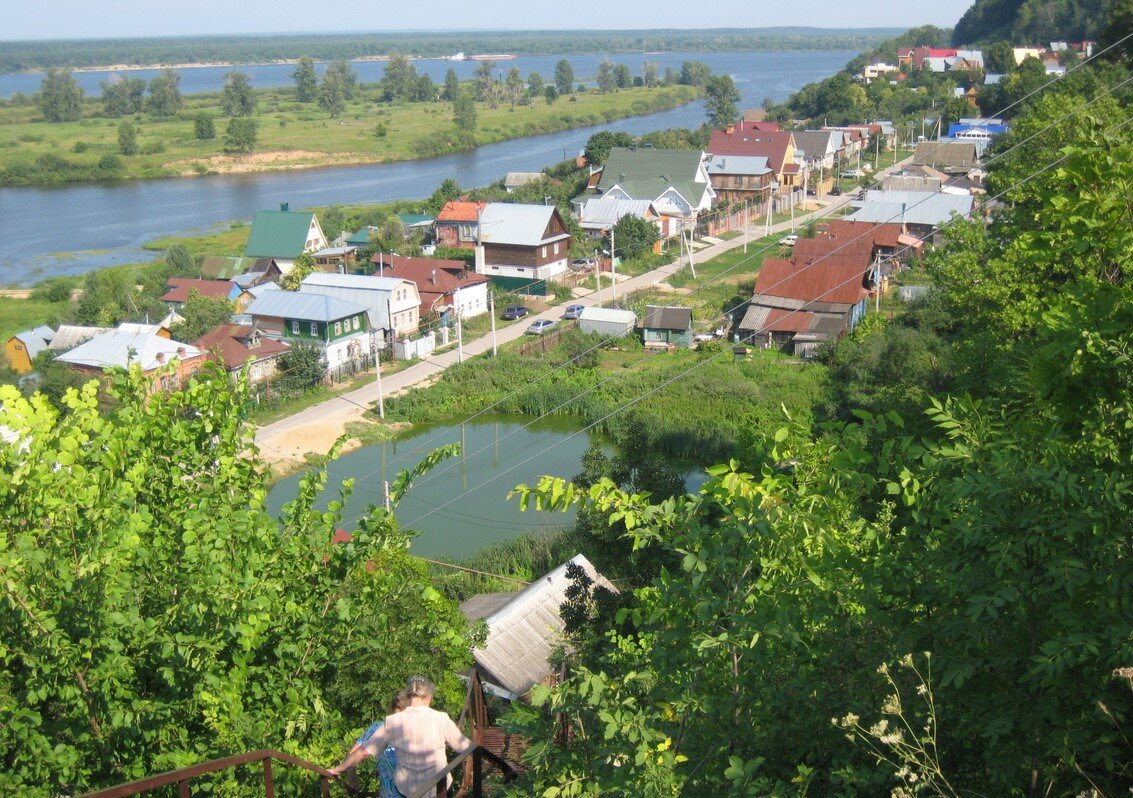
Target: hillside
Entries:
(1031, 21)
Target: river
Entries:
(48, 231)
(461, 506)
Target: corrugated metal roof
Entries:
(36, 339)
(122, 347)
(613, 315)
(604, 212)
(523, 634)
(360, 282)
(278, 234)
(302, 306)
(946, 153)
(911, 207)
(737, 165)
(650, 163)
(658, 317)
(68, 336)
(522, 225)
(836, 280)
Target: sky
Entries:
(60, 19)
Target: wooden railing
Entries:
(477, 754)
(182, 776)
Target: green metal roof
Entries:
(410, 219)
(648, 163)
(278, 234)
(361, 238)
(225, 268)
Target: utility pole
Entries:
(613, 270)
(378, 373)
(691, 265)
(459, 339)
(747, 223)
(492, 316)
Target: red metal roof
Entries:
(436, 279)
(180, 288)
(460, 211)
(228, 343)
(836, 280)
(881, 235)
(773, 146)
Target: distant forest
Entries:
(1031, 21)
(25, 56)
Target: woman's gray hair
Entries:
(419, 686)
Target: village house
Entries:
(279, 237)
(950, 157)
(240, 346)
(799, 303)
(165, 363)
(886, 242)
(392, 304)
(336, 259)
(181, 288)
(778, 147)
(526, 241)
(68, 336)
(922, 213)
(822, 153)
(598, 215)
(743, 179)
(446, 287)
(871, 72)
(22, 348)
(664, 326)
(525, 629)
(676, 182)
(456, 224)
(607, 322)
(335, 326)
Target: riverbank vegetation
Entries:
(184, 50)
(284, 133)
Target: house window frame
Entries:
(314, 329)
(338, 328)
(295, 327)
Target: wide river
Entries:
(73, 229)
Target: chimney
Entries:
(285, 206)
(433, 277)
(731, 129)
(180, 351)
(160, 357)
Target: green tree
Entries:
(694, 73)
(447, 191)
(127, 138)
(332, 94)
(634, 236)
(136, 641)
(341, 71)
(240, 135)
(60, 97)
(452, 86)
(203, 126)
(300, 368)
(464, 112)
(425, 91)
(180, 261)
(551, 93)
(165, 94)
(487, 90)
(201, 314)
(721, 102)
(514, 86)
(598, 146)
(122, 96)
(237, 98)
(622, 77)
(399, 82)
(333, 221)
(605, 78)
(535, 84)
(564, 77)
(303, 268)
(999, 58)
(306, 80)
(1112, 38)
(649, 74)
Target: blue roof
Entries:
(305, 307)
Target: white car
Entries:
(788, 241)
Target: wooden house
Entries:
(664, 326)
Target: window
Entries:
(544, 252)
(338, 328)
(354, 321)
(294, 328)
(556, 247)
(314, 330)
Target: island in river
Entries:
(292, 135)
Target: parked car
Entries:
(582, 264)
(835, 192)
(573, 311)
(788, 241)
(515, 312)
(540, 326)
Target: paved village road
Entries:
(316, 428)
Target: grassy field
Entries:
(291, 134)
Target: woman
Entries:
(418, 734)
(387, 762)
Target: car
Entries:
(515, 312)
(573, 311)
(835, 192)
(582, 264)
(540, 326)
(788, 241)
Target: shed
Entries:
(610, 322)
(524, 632)
(22, 347)
(664, 325)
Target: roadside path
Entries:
(317, 428)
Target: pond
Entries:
(461, 506)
